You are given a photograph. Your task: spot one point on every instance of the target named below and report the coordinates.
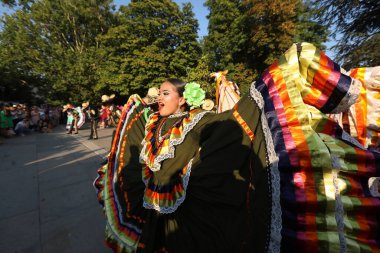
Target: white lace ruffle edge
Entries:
(274, 239)
(339, 213)
(172, 143)
(179, 201)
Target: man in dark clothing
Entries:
(93, 116)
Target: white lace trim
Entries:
(179, 201)
(339, 213)
(178, 114)
(276, 224)
(172, 143)
(350, 97)
(274, 240)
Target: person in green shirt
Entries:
(74, 123)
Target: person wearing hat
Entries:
(75, 118)
(68, 109)
(151, 98)
(93, 116)
(105, 111)
(208, 105)
(115, 112)
(105, 98)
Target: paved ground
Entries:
(48, 203)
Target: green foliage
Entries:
(365, 53)
(227, 44)
(273, 28)
(356, 26)
(246, 36)
(152, 41)
(229, 30)
(18, 82)
(243, 77)
(8, 2)
(55, 41)
(78, 50)
(21, 3)
(201, 75)
(308, 29)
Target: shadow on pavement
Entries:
(48, 200)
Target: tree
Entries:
(308, 29)
(153, 40)
(18, 81)
(56, 41)
(186, 54)
(356, 26)
(20, 3)
(201, 74)
(227, 46)
(273, 29)
(226, 41)
(246, 36)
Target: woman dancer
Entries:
(272, 174)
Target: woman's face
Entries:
(169, 101)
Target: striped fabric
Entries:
(82, 117)
(325, 199)
(362, 120)
(122, 231)
(243, 124)
(166, 198)
(323, 184)
(227, 93)
(160, 146)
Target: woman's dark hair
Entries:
(179, 84)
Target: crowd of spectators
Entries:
(18, 119)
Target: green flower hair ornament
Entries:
(194, 95)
